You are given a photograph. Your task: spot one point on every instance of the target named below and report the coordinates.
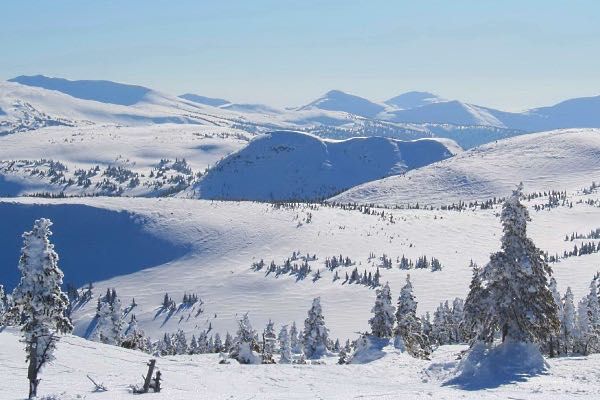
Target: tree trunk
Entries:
(32, 370)
(148, 379)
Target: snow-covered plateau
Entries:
(178, 222)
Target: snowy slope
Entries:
(221, 240)
(447, 112)
(564, 159)
(200, 376)
(288, 165)
(136, 149)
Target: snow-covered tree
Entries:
(567, 323)
(554, 345)
(165, 346)
(409, 336)
(3, 306)
(295, 341)
(218, 344)
(457, 334)
(245, 346)
(269, 343)
(514, 297)
(180, 344)
(382, 322)
(134, 336)
(285, 348)
(228, 342)
(314, 340)
(193, 349)
(40, 300)
(109, 320)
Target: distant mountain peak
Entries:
(337, 100)
(413, 99)
(209, 101)
(96, 90)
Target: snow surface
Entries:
(393, 376)
(287, 165)
(138, 149)
(557, 160)
(223, 239)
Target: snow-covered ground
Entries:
(221, 240)
(138, 150)
(393, 376)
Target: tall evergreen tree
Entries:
(554, 337)
(285, 348)
(269, 343)
(245, 345)
(382, 322)
(40, 300)
(109, 320)
(295, 342)
(567, 323)
(316, 333)
(409, 336)
(514, 297)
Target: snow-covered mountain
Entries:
(336, 100)
(287, 165)
(209, 101)
(559, 160)
(447, 112)
(101, 91)
(409, 100)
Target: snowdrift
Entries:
(488, 367)
(287, 165)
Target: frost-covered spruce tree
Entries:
(458, 334)
(134, 336)
(314, 339)
(3, 306)
(218, 344)
(285, 347)
(109, 320)
(193, 349)
(40, 300)
(269, 343)
(180, 343)
(409, 336)
(244, 345)
(228, 342)
(295, 342)
(554, 337)
(514, 298)
(567, 323)
(382, 322)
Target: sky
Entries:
(505, 54)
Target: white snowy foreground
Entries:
(394, 376)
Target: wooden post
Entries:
(148, 379)
(156, 384)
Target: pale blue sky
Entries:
(506, 54)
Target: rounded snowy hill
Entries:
(288, 165)
(562, 159)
